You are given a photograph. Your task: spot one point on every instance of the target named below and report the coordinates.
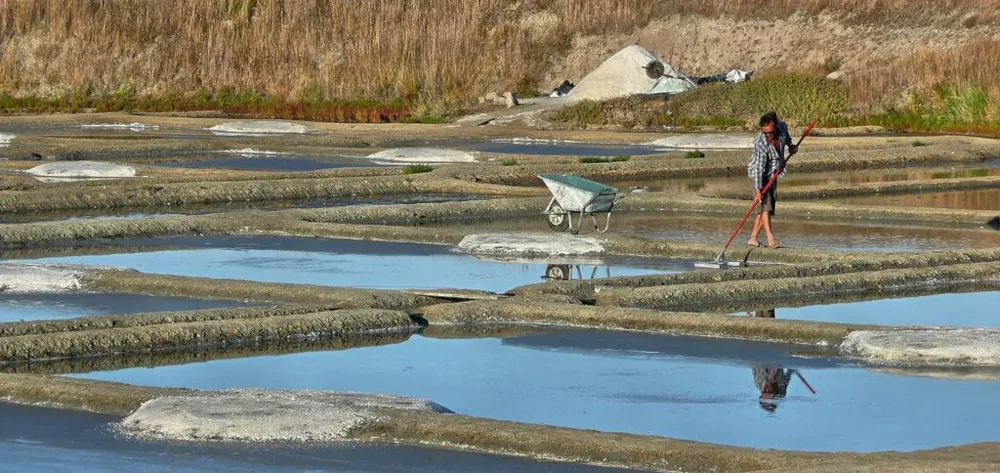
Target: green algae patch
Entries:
(103, 342)
(78, 394)
(153, 359)
(516, 310)
(795, 289)
(333, 297)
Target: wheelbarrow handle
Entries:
(623, 195)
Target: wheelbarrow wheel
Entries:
(557, 271)
(557, 218)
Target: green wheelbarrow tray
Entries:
(576, 195)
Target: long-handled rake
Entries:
(720, 261)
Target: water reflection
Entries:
(564, 272)
(772, 381)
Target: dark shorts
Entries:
(769, 200)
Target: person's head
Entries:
(768, 122)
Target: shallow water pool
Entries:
(350, 263)
(28, 307)
(680, 387)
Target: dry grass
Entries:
(427, 56)
(931, 78)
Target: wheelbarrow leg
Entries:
(607, 224)
(579, 223)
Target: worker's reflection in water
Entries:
(772, 381)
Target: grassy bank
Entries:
(941, 92)
(376, 61)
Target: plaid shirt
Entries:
(766, 159)
(773, 379)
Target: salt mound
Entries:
(5, 139)
(134, 126)
(39, 278)
(621, 75)
(77, 170)
(250, 152)
(710, 141)
(925, 347)
(257, 415)
(529, 245)
(258, 128)
(421, 156)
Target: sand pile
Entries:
(705, 141)
(257, 415)
(262, 127)
(621, 75)
(926, 347)
(513, 245)
(80, 170)
(421, 156)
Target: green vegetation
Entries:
(628, 112)
(694, 154)
(508, 162)
(596, 159)
(240, 103)
(796, 97)
(918, 143)
(417, 169)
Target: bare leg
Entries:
(771, 240)
(755, 234)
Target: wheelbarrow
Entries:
(576, 195)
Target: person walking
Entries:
(768, 155)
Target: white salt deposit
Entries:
(421, 156)
(39, 278)
(257, 415)
(262, 127)
(80, 170)
(709, 141)
(926, 347)
(250, 152)
(6, 139)
(511, 245)
(621, 75)
(136, 126)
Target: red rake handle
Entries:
(805, 382)
(770, 183)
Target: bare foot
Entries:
(774, 244)
(754, 243)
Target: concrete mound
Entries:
(526, 245)
(621, 75)
(708, 141)
(5, 139)
(80, 170)
(257, 415)
(421, 156)
(39, 278)
(925, 347)
(262, 127)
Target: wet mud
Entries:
(845, 220)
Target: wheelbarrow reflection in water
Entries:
(564, 272)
